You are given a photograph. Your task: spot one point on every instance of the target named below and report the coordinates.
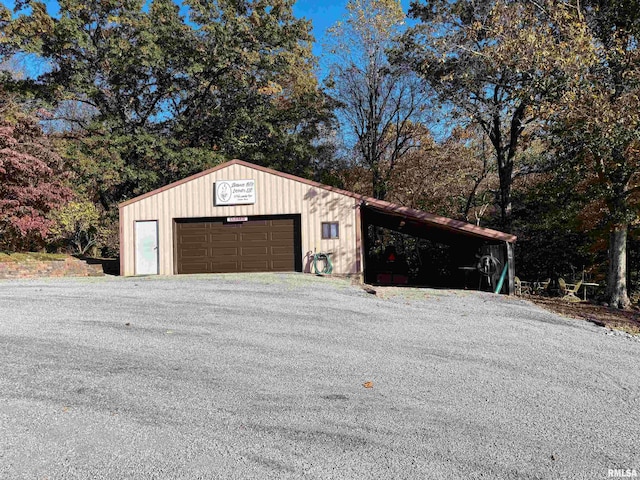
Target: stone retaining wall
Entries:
(68, 267)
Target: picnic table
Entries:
(588, 284)
(584, 286)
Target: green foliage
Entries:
(251, 91)
(121, 61)
(77, 224)
(111, 168)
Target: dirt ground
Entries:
(626, 320)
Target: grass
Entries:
(31, 257)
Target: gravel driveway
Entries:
(262, 377)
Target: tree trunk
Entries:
(617, 276)
(504, 160)
(505, 174)
(379, 185)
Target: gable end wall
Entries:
(275, 195)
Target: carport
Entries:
(450, 253)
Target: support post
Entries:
(511, 285)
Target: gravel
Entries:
(263, 376)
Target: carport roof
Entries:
(428, 219)
(437, 222)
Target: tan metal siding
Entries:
(275, 195)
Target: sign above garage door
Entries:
(235, 192)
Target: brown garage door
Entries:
(257, 245)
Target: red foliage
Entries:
(31, 184)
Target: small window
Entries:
(330, 230)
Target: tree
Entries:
(78, 224)
(597, 121)
(555, 224)
(123, 62)
(165, 95)
(5, 40)
(587, 92)
(22, 34)
(453, 177)
(251, 90)
(32, 181)
(381, 105)
(471, 55)
(114, 66)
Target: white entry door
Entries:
(147, 248)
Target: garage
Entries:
(241, 217)
(226, 245)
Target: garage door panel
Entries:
(223, 237)
(254, 251)
(258, 258)
(194, 253)
(193, 267)
(254, 267)
(280, 250)
(223, 243)
(283, 266)
(281, 228)
(256, 223)
(224, 266)
(281, 221)
(225, 251)
(260, 262)
(281, 236)
(214, 246)
(254, 236)
(280, 231)
(194, 237)
(224, 260)
(254, 229)
(187, 226)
